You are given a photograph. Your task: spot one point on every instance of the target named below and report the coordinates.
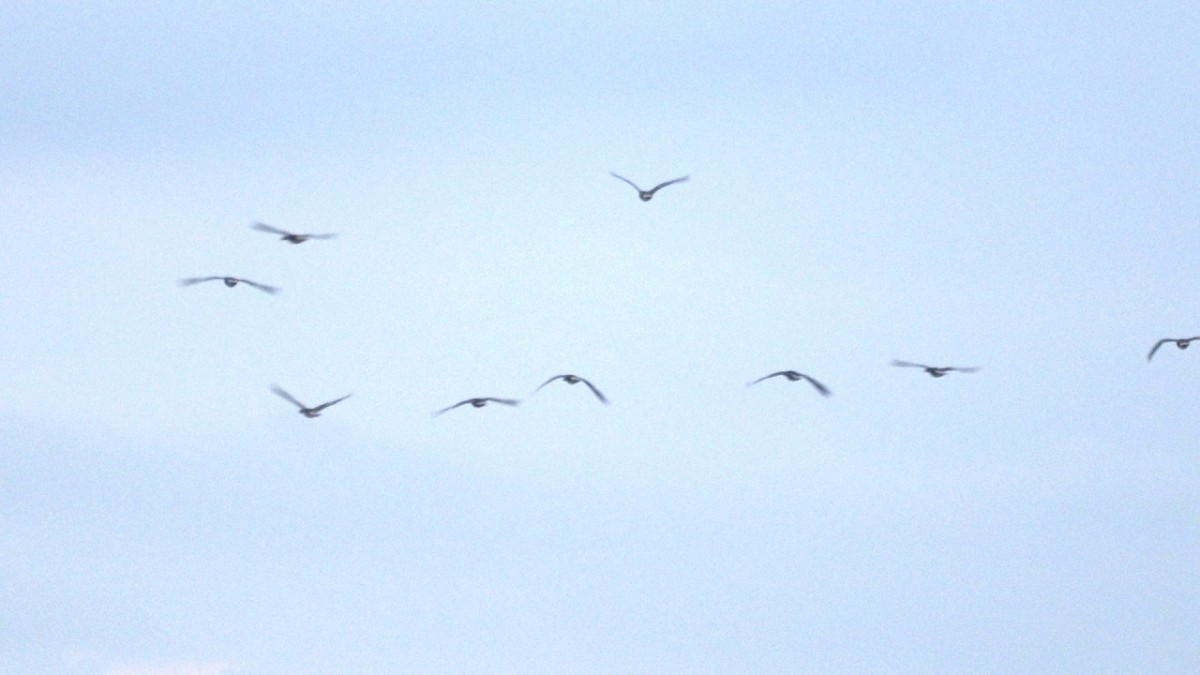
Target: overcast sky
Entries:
(1013, 188)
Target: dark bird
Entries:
(290, 237)
(645, 195)
(230, 282)
(479, 403)
(574, 379)
(1182, 343)
(792, 376)
(935, 371)
(304, 410)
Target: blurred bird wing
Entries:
(908, 364)
(819, 387)
(287, 397)
(197, 280)
(660, 186)
(452, 407)
(767, 377)
(1156, 346)
(329, 403)
(635, 187)
(263, 227)
(321, 236)
(594, 390)
(966, 370)
(262, 287)
(556, 377)
(505, 401)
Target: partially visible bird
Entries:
(315, 411)
(935, 371)
(793, 376)
(574, 379)
(645, 195)
(230, 282)
(290, 237)
(479, 403)
(1182, 343)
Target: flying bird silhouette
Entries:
(1182, 343)
(646, 195)
(230, 282)
(935, 371)
(574, 379)
(290, 237)
(479, 403)
(793, 376)
(305, 410)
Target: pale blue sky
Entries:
(1007, 187)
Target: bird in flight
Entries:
(574, 379)
(479, 403)
(290, 237)
(645, 195)
(1182, 343)
(230, 282)
(304, 410)
(792, 376)
(935, 371)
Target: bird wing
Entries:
(660, 186)
(819, 387)
(594, 390)
(263, 227)
(287, 397)
(197, 280)
(1156, 346)
(965, 370)
(505, 401)
(908, 364)
(556, 377)
(767, 377)
(321, 236)
(329, 403)
(262, 287)
(452, 407)
(635, 187)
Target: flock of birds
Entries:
(479, 402)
